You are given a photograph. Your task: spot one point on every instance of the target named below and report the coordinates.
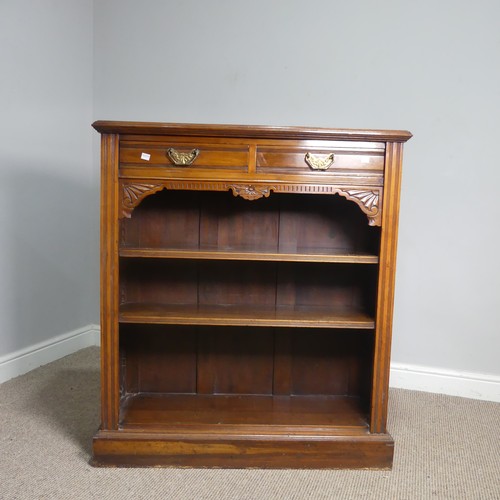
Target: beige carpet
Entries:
(446, 447)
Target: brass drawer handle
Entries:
(319, 162)
(181, 158)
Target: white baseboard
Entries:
(465, 384)
(25, 360)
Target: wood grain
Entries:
(239, 315)
(109, 283)
(146, 411)
(286, 450)
(387, 275)
(314, 256)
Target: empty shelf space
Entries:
(149, 411)
(239, 315)
(282, 225)
(307, 256)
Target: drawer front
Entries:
(184, 155)
(320, 161)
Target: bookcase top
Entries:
(249, 131)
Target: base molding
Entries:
(213, 450)
(24, 360)
(453, 383)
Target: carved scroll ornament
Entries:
(251, 191)
(133, 194)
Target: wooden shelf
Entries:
(158, 412)
(312, 317)
(313, 256)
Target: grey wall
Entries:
(48, 261)
(431, 67)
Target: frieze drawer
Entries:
(321, 161)
(184, 155)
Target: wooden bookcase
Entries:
(247, 282)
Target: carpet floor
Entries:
(446, 447)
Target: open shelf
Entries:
(159, 359)
(310, 256)
(177, 291)
(216, 225)
(241, 315)
(162, 411)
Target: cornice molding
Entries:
(248, 131)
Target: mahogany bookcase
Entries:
(247, 284)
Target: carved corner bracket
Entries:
(368, 201)
(133, 194)
(251, 191)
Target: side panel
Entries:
(385, 301)
(109, 282)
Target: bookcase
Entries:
(247, 283)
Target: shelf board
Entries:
(238, 315)
(313, 256)
(156, 412)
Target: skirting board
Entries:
(403, 376)
(437, 380)
(25, 360)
